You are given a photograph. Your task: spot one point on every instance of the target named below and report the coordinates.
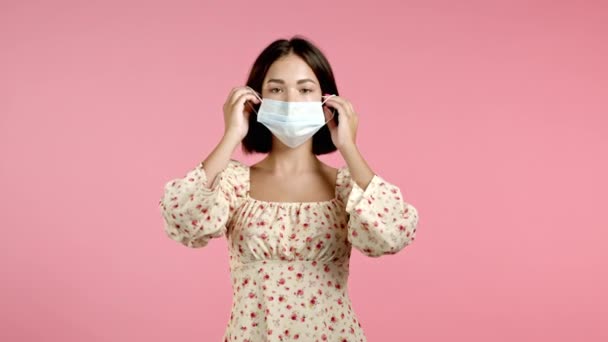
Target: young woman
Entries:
(290, 220)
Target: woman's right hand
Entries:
(237, 111)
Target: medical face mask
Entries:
(293, 123)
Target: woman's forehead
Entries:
(290, 70)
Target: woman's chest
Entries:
(261, 231)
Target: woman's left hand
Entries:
(343, 134)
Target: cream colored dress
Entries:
(289, 261)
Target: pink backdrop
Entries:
(490, 115)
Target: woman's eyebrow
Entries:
(306, 80)
(277, 80)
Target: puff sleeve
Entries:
(194, 213)
(380, 221)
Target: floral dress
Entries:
(289, 261)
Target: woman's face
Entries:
(290, 79)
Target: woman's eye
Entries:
(306, 91)
(275, 90)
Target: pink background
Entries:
(490, 115)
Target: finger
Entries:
(228, 99)
(238, 93)
(345, 103)
(233, 90)
(326, 97)
(338, 106)
(351, 109)
(246, 98)
(258, 94)
(231, 94)
(249, 108)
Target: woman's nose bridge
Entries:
(291, 94)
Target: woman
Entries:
(290, 220)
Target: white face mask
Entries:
(292, 122)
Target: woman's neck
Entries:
(285, 160)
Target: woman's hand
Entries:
(343, 134)
(237, 111)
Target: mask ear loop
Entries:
(333, 111)
(256, 95)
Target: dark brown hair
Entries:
(259, 138)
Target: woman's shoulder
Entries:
(343, 182)
(343, 177)
(237, 164)
(237, 169)
(234, 178)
